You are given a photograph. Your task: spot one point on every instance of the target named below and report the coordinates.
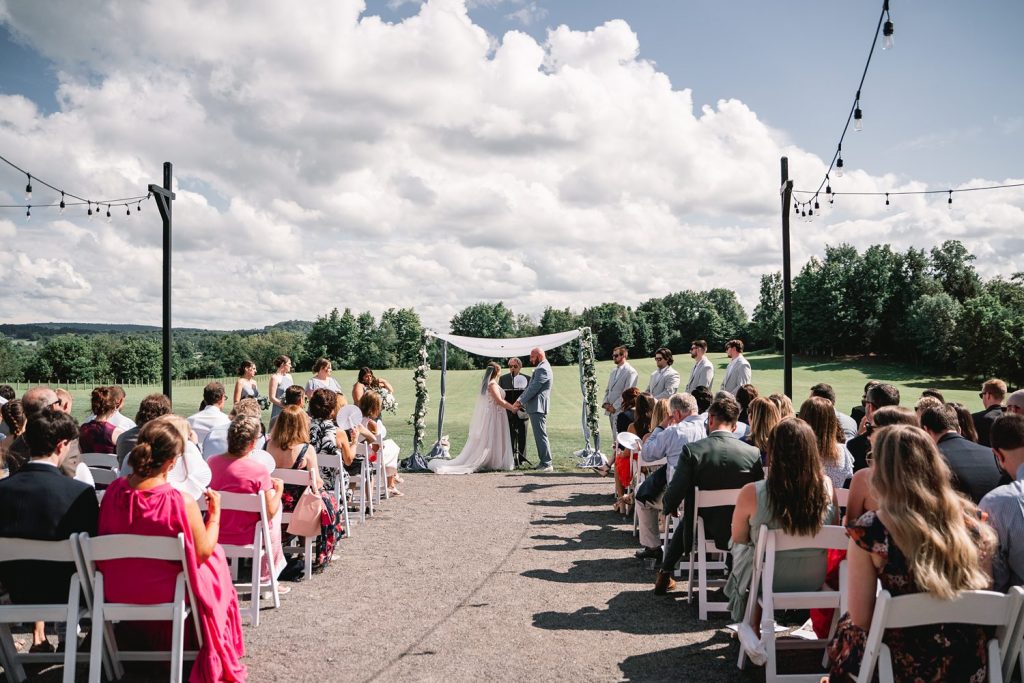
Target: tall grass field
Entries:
(564, 420)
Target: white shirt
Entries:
(118, 420)
(205, 420)
(82, 472)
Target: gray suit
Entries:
(664, 382)
(535, 402)
(736, 375)
(623, 377)
(702, 375)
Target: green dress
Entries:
(795, 570)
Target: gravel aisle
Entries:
(489, 576)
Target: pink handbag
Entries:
(305, 519)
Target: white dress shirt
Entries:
(205, 420)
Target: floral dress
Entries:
(944, 652)
(332, 523)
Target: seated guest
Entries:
(365, 380)
(846, 422)
(992, 394)
(795, 497)
(117, 418)
(290, 447)
(862, 498)
(327, 438)
(628, 414)
(835, 458)
(145, 503)
(1015, 402)
(643, 412)
(294, 396)
(746, 394)
(924, 538)
(7, 393)
(246, 385)
(926, 402)
(720, 461)
(322, 379)
(741, 427)
(680, 427)
(784, 404)
(370, 406)
(764, 415)
(1004, 504)
(877, 396)
(14, 420)
(100, 434)
(151, 407)
(236, 472)
(703, 397)
(216, 441)
(934, 393)
(859, 412)
(973, 468)
(211, 414)
(965, 420)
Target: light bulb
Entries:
(858, 123)
(108, 213)
(28, 189)
(949, 202)
(90, 210)
(62, 205)
(887, 201)
(28, 213)
(839, 167)
(138, 208)
(887, 31)
(127, 210)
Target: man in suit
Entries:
(514, 382)
(992, 394)
(535, 401)
(623, 377)
(878, 396)
(1015, 403)
(738, 372)
(703, 373)
(212, 415)
(721, 461)
(38, 502)
(665, 380)
(1005, 504)
(972, 465)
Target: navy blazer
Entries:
(973, 466)
(38, 502)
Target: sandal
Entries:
(395, 492)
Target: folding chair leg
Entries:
(9, 656)
(97, 633)
(178, 634)
(309, 557)
(71, 632)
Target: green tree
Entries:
(654, 329)
(952, 265)
(366, 349)
(262, 349)
(988, 334)
(612, 325)
(136, 359)
(408, 330)
(67, 358)
(733, 317)
(555, 320)
(766, 325)
(911, 281)
(490, 321)
(334, 336)
(13, 360)
(695, 317)
(525, 327)
(932, 329)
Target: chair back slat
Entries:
(132, 546)
(296, 477)
(716, 499)
(843, 497)
(981, 608)
(12, 549)
(240, 502)
(107, 460)
(830, 537)
(103, 476)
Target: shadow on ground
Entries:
(590, 539)
(576, 500)
(695, 661)
(636, 612)
(595, 571)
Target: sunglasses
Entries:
(869, 428)
(659, 358)
(981, 395)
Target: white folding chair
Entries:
(843, 497)
(380, 475)
(107, 460)
(982, 608)
(70, 612)
(298, 478)
(632, 444)
(763, 593)
(341, 483)
(705, 556)
(104, 614)
(261, 547)
(1014, 652)
(103, 476)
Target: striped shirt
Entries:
(1005, 508)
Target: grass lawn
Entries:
(846, 376)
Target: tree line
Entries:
(929, 308)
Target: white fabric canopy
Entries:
(506, 348)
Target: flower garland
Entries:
(589, 374)
(419, 414)
(388, 403)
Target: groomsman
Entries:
(738, 372)
(664, 381)
(514, 383)
(623, 377)
(703, 372)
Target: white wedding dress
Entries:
(488, 446)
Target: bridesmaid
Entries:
(245, 385)
(279, 382)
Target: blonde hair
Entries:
(661, 411)
(290, 428)
(820, 414)
(785, 405)
(764, 416)
(933, 525)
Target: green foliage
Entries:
(13, 359)
(136, 359)
(951, 265)
(559, 320)
(766, 325)
(490, 321)
(611, 324)
(932, 329)
(402, 329)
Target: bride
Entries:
(488, 446)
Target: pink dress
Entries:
(161, 512)
(245, 475)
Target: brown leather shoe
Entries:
(664, 583)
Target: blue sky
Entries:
(538, 152)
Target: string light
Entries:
(28, 213)
(887, 200)
(28, 188)
(62, 204)
(65, 196)
(839, 162)
(887, 29)
(949, 202)
(128, 211)
(108, 213)
(894, 193)
(90, 210)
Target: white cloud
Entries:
(329, 158)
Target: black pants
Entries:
(517, 433)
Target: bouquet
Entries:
(264, 402)
(387, 400)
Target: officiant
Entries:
(514, 383)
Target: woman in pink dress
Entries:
(145, 503)
(235, 472)
(99, 435)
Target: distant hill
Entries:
(40, 331)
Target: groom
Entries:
(535, 401)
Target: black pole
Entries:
(163, 197)
(787, 291)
